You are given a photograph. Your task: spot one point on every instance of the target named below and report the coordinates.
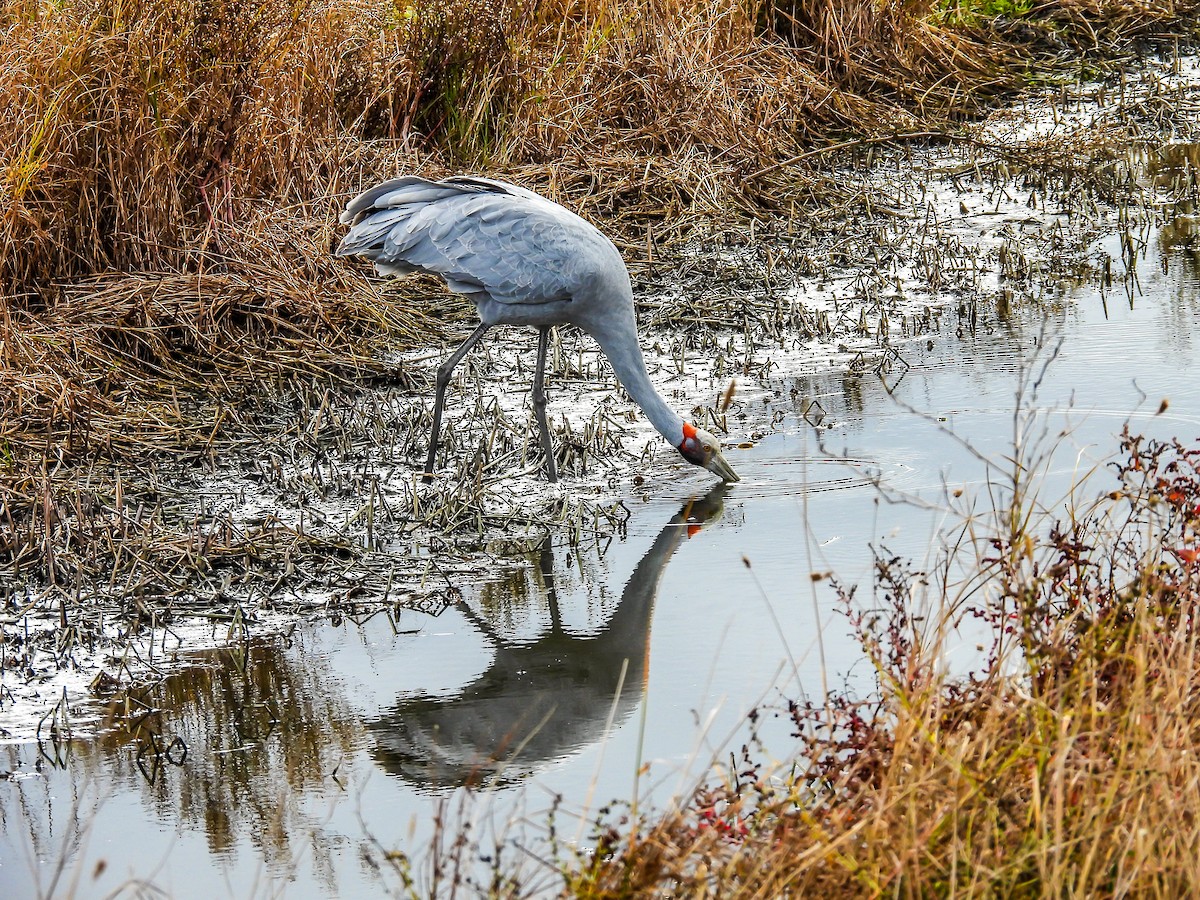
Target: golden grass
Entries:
(139, 135)
(170, 170)
(1075, 774)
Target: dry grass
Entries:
(1075, 775)
(219, 137)
(141, 135)
(170, 172)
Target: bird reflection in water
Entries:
(538, 701)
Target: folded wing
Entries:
(479, 235)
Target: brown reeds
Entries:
(138, 133)
(170, 171)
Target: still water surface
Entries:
(296, 766)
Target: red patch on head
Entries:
(689, 433)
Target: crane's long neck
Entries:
(620, 345)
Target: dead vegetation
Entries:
(170, 175)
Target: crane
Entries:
(522, 260)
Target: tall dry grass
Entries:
(1072, 771)
(171, 170)
(139, 135)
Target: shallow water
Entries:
(301, 765)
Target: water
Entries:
(301, 766)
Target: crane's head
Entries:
(701, 448)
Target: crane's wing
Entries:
(479, 235)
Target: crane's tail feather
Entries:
(411, 189)
(375, 213)
(386, 235)
(368, 200)
(370, 232)
(391, 236)
(411, 224)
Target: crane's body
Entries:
(522, 260)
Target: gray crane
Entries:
(522, 260)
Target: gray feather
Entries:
(365, 201)
(522, 260)
(479, 235)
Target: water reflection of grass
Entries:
(212, 745)
(1065, 766)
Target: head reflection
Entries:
(538, 701)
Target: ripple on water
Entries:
(789, 476)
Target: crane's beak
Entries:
(718, 465)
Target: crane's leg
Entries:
(539, 403)
(546, 563)
(443, 380)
